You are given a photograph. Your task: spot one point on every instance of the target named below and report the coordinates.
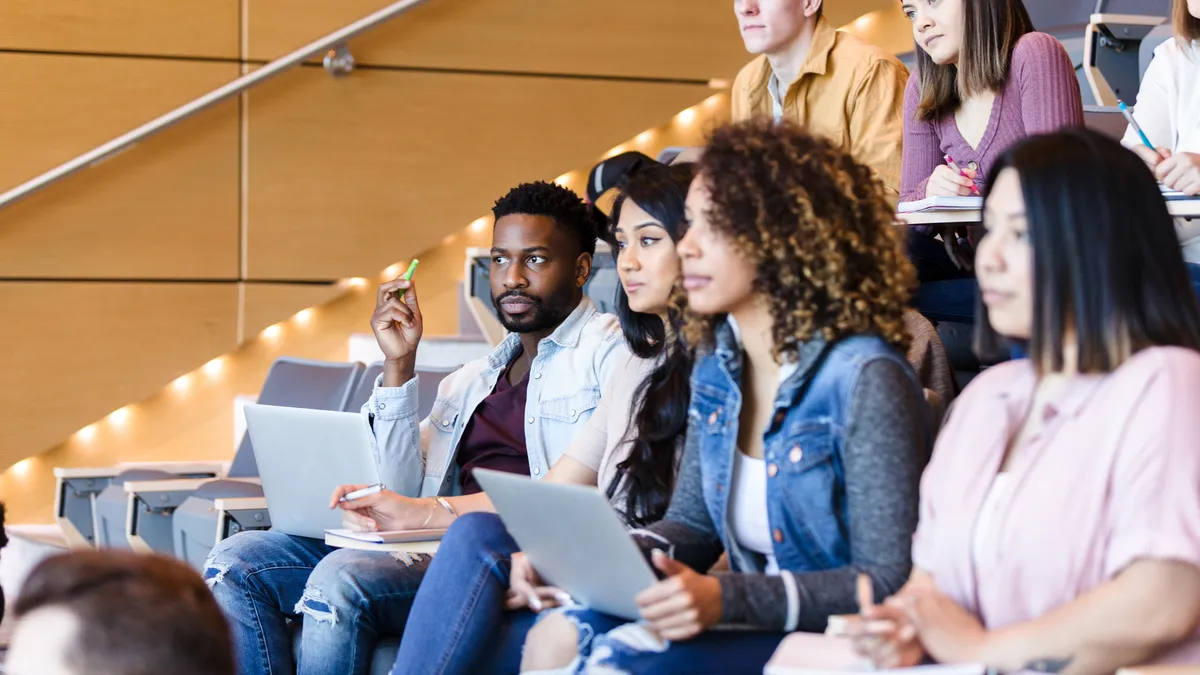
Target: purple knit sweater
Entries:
(1041, 95)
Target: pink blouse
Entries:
(1112, 477)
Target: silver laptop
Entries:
(574, 539)
(303, 455)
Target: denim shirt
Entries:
(843, 456)
(417, 458)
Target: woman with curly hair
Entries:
(807, 432)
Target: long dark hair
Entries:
(991, 29)
(1106, 260)
(647, 476)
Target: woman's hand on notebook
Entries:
(946, 182)
(525, 589)
(684, 604)
(1181, 172)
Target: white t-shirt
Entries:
(748, 509)
(1168, 110)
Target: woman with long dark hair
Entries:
(472, 610)
(1060, 515)
(984, 81)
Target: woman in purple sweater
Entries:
(984, 81)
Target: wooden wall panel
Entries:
(167, 208)
(74, 352)
(348, 176)
(173, 27)
(266, 304)
(684, 39)
(672, 39)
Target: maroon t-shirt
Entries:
(495, 435)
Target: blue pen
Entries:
(1133, 123)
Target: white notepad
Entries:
(813, 654)
(411, 541)
(942, 204)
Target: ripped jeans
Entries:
(611, 646)
(347, 599)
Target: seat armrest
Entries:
(240, 503)
(246, 512)
(181, 468)
(157, 496)
(214, 468)
(158, 486)
(71, 472)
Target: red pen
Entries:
(954, 168)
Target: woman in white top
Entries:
(459, 622)
(1168, 111)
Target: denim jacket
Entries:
(417, 457)
(843, 454)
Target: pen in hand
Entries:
(1136, 127)
(954, 167)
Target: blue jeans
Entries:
(347, 600)
(946, 293)
(458, 622)
(1194, 272)
(713, 651)
(950, 300)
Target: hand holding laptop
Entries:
(527, 590)
(684, 604)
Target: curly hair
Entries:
(819, 228)
(554, 201)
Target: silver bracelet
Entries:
(432, 509)
(446, 505)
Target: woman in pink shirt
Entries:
(984, 81)
(1060, 516)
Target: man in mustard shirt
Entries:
(828, 81)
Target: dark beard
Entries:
(545, 314)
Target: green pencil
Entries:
(407, 276)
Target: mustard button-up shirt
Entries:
(848, 91)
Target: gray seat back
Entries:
(366, 384)
(1159, 35)
(299, 383)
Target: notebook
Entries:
(942, 204)
(411, 541)
(1173, 195)
(813, 654)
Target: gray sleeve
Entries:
(686, 532)
(884, 453)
